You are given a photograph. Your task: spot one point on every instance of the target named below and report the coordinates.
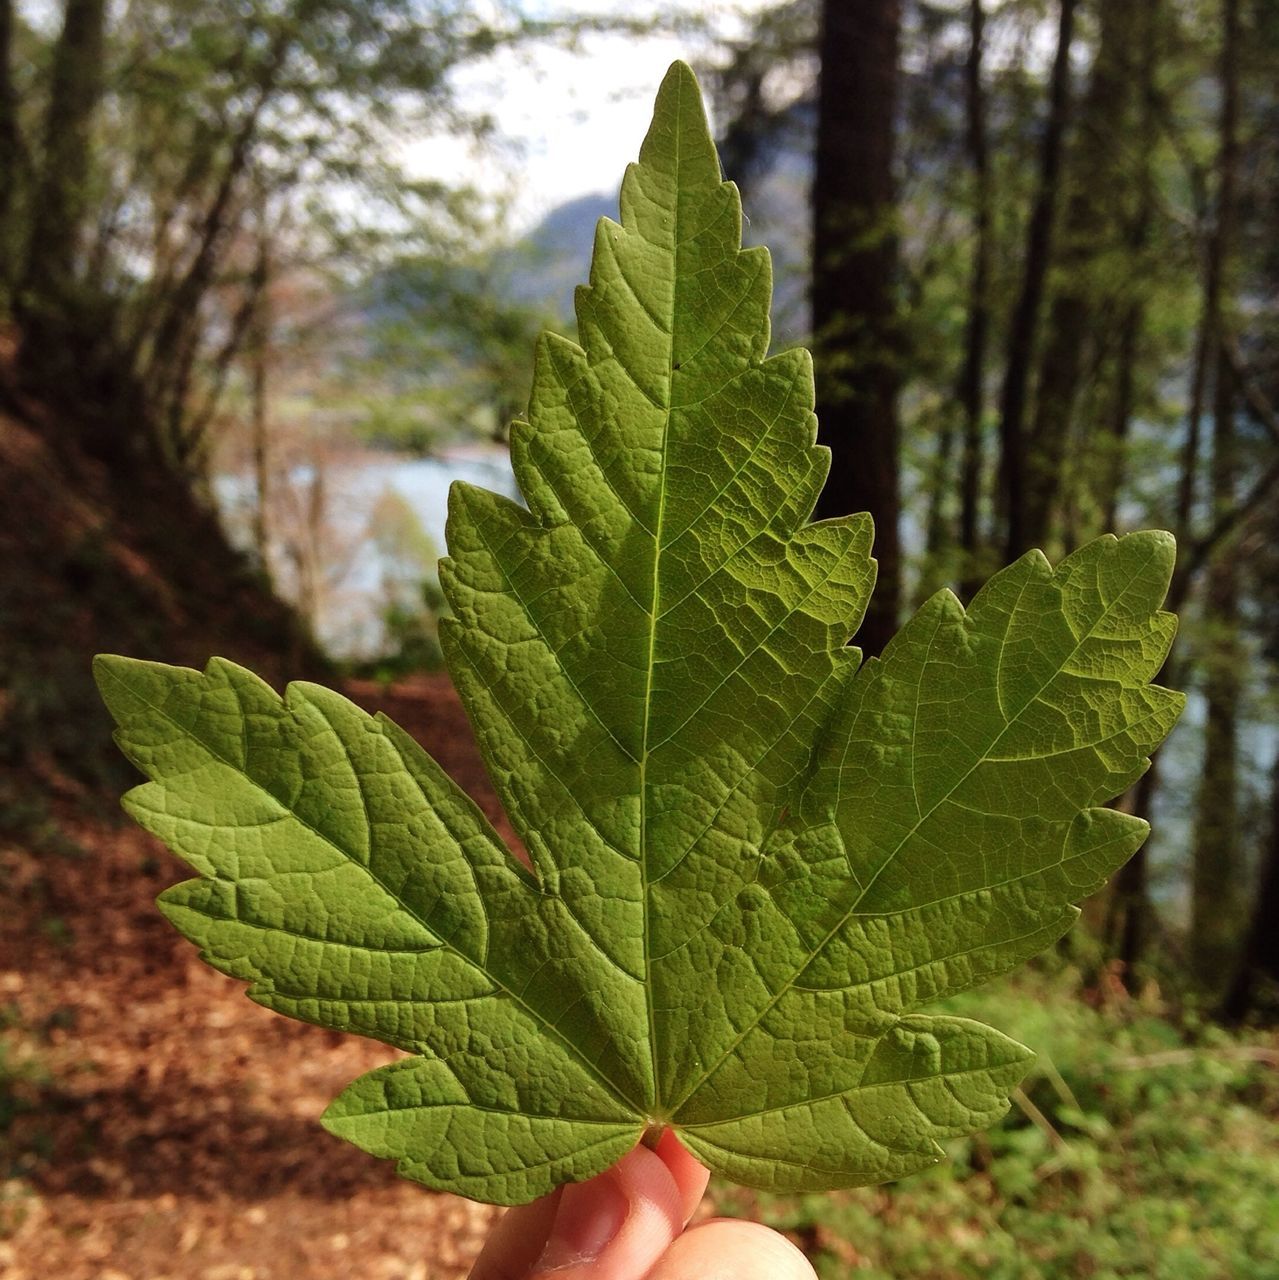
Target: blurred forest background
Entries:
(248, 334)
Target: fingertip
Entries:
(517, 1240)
(615, 1226)
(691, 1176)
(655, 1197)
(730, 1249)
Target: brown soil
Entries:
(166, 1126)
(98, 559)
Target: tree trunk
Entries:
(68, 356)
(175, 339)
(1216, 853)
(1130, 884)
(1023, 327)
(1112, 461)
(10, 154)
(259, 357)
(63, 192)
(1209, 349)
(938, 532)
(1110, 481)
(1128, 913)
(1186, 485)
(854, 275)
(977, 329)
(310, 596)
(1087, 230)
(1260, 957)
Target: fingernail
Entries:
(589, 1216)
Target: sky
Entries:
(572, 120)
(575, 119)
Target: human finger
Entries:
(731, 1249)
(691, 1176)
(616, 1226)
(517, 1241)
(613, 1227)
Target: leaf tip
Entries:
(679, 139)
(1161, 548)
(1035, 560)
(1157, 539)
(108, 668)
(679, 78)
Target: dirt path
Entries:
(167, 1127)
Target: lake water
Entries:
(358, 578)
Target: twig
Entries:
(1038, 1119)
(1259, 407)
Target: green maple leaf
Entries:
(754, 862)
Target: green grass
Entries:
(1142, 1147)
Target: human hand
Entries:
(629, 1224)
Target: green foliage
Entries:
(753, 863)
(190, 80)
(1153, 1154)
(449, 349)
(235, 153)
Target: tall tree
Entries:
(960, 416)
(977, 327)
(1096, 183)
(1023, 327)
(757, 120)
(174, 341)
(1216, 852)
(962, 421)
(1140, 223)
(10, 150)
(289, 104)
(1257, 966)
(259, 359)
(1129, 918)
(1126, 925)
(1260, 954)
(855, 319)
(64, 192)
